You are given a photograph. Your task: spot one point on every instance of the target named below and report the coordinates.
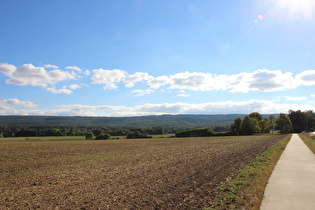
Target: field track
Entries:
(155, 173)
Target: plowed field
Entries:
(155, 173)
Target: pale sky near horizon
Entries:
(145, 57)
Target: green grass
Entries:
(44, 138)
(67, 138)
(309, 140)
(275, 132)
(246, 190)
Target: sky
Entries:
(144, 57)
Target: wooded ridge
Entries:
(190, 121)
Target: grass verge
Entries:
(245, 189)
(309, 140)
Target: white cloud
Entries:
(302, 98)
(141, 92)
(75, 68)
(227, 107)
(17, 103)
(157, 82)
(59, 91)
(7, 107)
(137, 77)
(7, 69)
(306, 77)
(266, 81)
(165, 108)
(74, 86)
(108, 77)
(87, 72)
(50, 66)
(130, 84)
(86, 110)
(312, 95)
(183, 95)
(198, 81)
(28, 74)
(261, 80)
(110, 86)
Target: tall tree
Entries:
(271, 121)
(237, 123)
(248, 126)
(256, 116)
(298, 120)
(310, 120)
(283, 123)
(263, 126)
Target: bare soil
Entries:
(122, 174)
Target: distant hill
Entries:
(191, 121)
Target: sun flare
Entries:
(298, 7)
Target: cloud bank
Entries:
(28, 74)
(17, 107)
(261, 80)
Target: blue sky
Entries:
(143, 57)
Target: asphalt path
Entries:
(292, 182)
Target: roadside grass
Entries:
(275, 132)
(246, 190)
(309, 140)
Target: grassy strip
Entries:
(246, 190)
(59, 138)
(309, 140)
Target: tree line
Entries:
(295, 121)
(254, 123)
(22, 131)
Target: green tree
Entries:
(302, 121)
(298, 120)
(137, 135)
(159, 130)
(199, 132)
(237, 124)
(310, 120)
(256, 116)
(248, 126)
(263, 126)
(97, 132)
(257, 128)
(283, 123)
(271, 121)
(89, 135)
(103, 136)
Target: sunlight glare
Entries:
(298, 7)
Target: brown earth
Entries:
(132, 174)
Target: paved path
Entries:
(292, 182)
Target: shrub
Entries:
(200, 132)
(137, 135)
(89, 135)
(103, 136)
